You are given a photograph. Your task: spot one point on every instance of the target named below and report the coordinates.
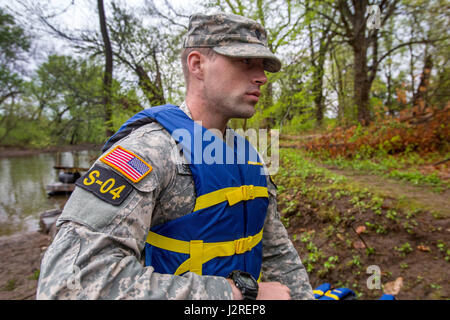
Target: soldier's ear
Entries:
(196, 63)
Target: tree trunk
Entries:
(339, 88)
(267, 100)
(361, 82)
(8, 121)
(354, 26)
(318, 93)
(389, 91)
(419, 98)
(107, 77)
(153, 91)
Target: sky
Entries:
(71, 15)
(82, 14)
(78, 14)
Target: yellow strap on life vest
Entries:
(233, 195)
(201, 252)
(333, 296)
(319, 292)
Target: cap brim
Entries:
(251, 50)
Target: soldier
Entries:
(149, 221)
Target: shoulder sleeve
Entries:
(120, 177)
(143, 157)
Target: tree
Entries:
(69, 92)
(108, 73)
(140, 49)
(125, 41)
(341, 81)
(354, 22)
(316, 24)
(351, 25)
(14, 43)
(428, 65)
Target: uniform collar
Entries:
(229, 133)
(185, 109)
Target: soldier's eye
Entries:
(246, 61)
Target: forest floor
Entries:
(345, 221)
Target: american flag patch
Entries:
(132, 166)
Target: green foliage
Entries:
(69, 94)
(64, 106)
(378, 227)
(10, 285)
(301, 122)
(67, 91)
(404, 249)
(35, 275)
(314, 253)
(13, 44)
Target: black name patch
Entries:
(106, 185)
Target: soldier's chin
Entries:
(247, 112)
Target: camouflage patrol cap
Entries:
(231, 35)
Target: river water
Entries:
(22, 187)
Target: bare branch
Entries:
(166, 17)
(174, 11)
(422, 41)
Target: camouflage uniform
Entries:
(98, 251)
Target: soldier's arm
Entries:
(98, 252)
(281, 261)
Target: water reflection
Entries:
(22, 187)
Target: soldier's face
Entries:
(232, 85)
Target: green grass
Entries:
(397, 167)
(10, 285)
(35, 275)
(299, 172)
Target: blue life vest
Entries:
(224, 231)
(324, 292)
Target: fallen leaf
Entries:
(360, 229)
(358, 244)
(393, 287)
(423, 248)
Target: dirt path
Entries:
(407, 235)
(419, 195)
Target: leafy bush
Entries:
(391, 136)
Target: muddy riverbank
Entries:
(21, 244)
(20, 264)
